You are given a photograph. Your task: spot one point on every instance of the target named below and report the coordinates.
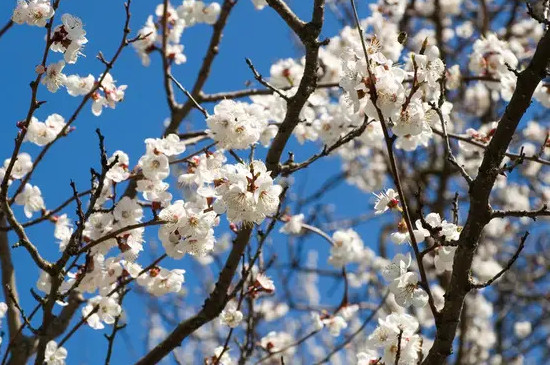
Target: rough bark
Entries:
(480, 210)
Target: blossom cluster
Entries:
(236, 125)
(33, 12)
(42, 133)
(395, 333)
(189, 13)
(404, 284)
(68, 38)
(335, 323)
(248, 193)
(189, 229)
(30, 196)
(347, 247)
(493, 58)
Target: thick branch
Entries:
(308, 35)
(291, 19)
(480, 212)
(8, 281)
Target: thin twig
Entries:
(354, 334)
(195, 103)
(505, 268)
(261, 80)
(6, 27)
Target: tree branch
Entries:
(308, 34)
(291, 19)
(8, 281)
(170, 99)
(506, 268)
(480, 213)
(250, 92)
(533, 214)
(6, 27)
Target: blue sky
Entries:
(260, 36)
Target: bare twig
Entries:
(6, 27)
(505, 268)
(469, 140)
(251, 92)
(450, 156)
(350, 338)
(398, 351)
(533, 214)
(261, 80)
(195, 103)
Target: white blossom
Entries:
(259, 4)
(69, 38)
(522, 329)
(407, 291)
(21, 167)
(77, 85)
(247, 193)
(155, 191)
(347, 248)
(388, 199)
(107, 95)
(42, 133)
(189, 229)
(386, 336)
(33, 12)
(119, 171)
(127, 211)
(278, 341)
(155, 166)
(54, 355)
(236, 125)
(31, 199)
(219, 358)
(54, 78)
(160, 281)
(293, 224)
(108, 310)
(169, 145)
(231, 316)
(63, 230)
